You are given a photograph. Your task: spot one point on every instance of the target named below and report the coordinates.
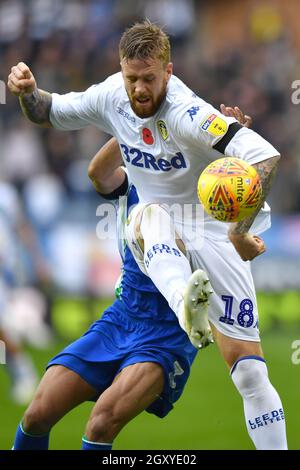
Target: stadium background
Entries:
(246, 55)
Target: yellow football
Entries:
(229, 189)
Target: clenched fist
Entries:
(21, 80)
(247, 245)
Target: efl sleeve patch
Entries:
(215, 125)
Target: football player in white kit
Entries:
(167, 135)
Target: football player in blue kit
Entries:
(135, 358)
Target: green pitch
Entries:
(208, 416)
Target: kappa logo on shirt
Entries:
(193, 111)
(146, 160)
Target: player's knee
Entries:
(103, 427)
(155, 214)
(36, 419)
(250, 376)
(148, 214)
(156, 223)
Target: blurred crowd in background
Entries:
(245, 55)
(72, 44)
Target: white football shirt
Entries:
(166, 153)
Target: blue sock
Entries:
(88, 445)
(25, 441)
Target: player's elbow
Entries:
(94, 173)
(269, 165)
(277, 157)
(97, 177)
(273, 163)
(92, 170)
(273, 160)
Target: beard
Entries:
(148, 108)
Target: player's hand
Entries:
(21, 80)
(244, 119)
(247, 245)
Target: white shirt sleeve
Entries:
(76, 110)
(200, 124)
(250, 146)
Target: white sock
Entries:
(262, 405)
(165, 264)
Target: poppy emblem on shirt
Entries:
(147, 136)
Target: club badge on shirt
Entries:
(163, 129)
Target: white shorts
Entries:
(233, 306)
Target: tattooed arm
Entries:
(247, 245)
(36, 107)
(35, 103)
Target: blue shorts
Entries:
(117, 340)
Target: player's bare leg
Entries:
(59, 391)
(134, 389)
(232, 349)
(160, 253)
(262, 405)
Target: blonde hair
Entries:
(145, 41)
